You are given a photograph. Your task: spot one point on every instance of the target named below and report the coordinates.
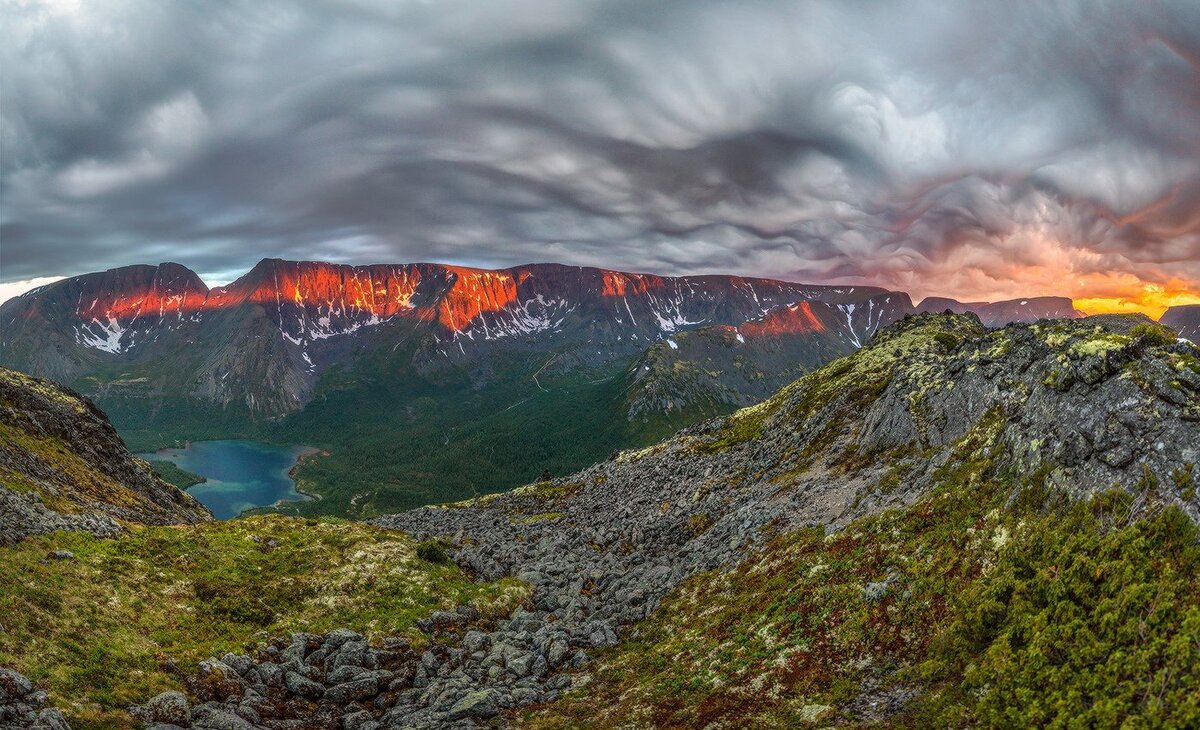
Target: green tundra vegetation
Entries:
(398, 440)
(991, 602)
(97, 629)
(170, 473)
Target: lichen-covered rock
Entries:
(170, 707)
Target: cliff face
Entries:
(63, 467)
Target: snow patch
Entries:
(107, 339)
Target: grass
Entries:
(170, 472)
(95, 630)
(1156, 335)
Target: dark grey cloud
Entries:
(972, 148)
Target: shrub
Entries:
(1155, 335)
(946, 340)
(431, 551)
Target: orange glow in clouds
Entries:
(1032, 264)
(1150, 299)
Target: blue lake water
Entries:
(240, 474)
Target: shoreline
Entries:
(288, 471)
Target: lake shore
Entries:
(241, 477)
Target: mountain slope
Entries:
(950, 527)
(119, 621)
(63, 467)
(1185, 320)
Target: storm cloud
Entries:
(972, 149)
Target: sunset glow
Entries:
(1152, 301)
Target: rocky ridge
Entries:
(63, 467)
(1082, 406)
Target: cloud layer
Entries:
(972, 149)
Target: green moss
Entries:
(541, 517)
(1080, 620)
(741, 426)
(699, 523)
(549, 491)
(946, 340)
(95, 630)
(432, 551)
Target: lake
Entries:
(240, 474)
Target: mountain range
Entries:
(472, 380)
(305, 311)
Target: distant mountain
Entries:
(423, 380)
(263, 340)
(998, 314)
(1185, 320)
(63, 467)
(713, 369)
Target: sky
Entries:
(977, 149)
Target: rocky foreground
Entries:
(1088, 405)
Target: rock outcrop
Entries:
(63, 467)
